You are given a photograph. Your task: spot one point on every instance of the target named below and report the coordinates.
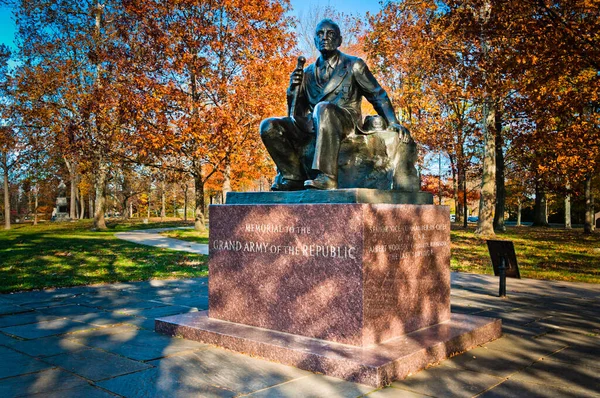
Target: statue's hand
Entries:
(402, 131)
(296, 78)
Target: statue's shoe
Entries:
(322, 181)
(288, 185)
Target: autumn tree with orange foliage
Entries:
(202, 77)
(556, 66)
(528, 69)
(428, 72)
(69, 86)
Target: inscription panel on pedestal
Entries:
(293, 268)
(407, 269)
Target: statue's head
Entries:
(327, 36)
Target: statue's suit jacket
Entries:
(349, 82)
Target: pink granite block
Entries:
(406, 269)
(357, 274)
(376, 365)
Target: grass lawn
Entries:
(69, 254)
(542, 253)
(189, 235)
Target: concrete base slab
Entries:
(376, 365)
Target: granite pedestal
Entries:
(359, 291)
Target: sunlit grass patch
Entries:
(70, 254)
(542, 253)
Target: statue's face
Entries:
(327, 38)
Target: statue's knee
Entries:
(324, 108)
(269, 128)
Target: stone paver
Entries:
(156, 383)
(516, 389)
(95, 364)
(11, 309)
(160, 312)
(46, 381)
(103, 318)
(97, 341)
(25, 318)
(46, 347)
(141, 345)
(5, 340)
(315, 386)
(230, 371)
(68, 310)
(392, 392)
(76, 392)
(13, 363)
(447, 382)
(47, 328)
(553, 373)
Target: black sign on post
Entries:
(504, 249)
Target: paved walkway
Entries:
(152, 237)
(98, 341)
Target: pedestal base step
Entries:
(376, 365)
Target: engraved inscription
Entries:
(326, 251)
(413, 240)
(277, 229)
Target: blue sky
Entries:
(7, 26)
(346, 6)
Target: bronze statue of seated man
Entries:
(305, 146)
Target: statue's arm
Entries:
(373, 92)
(377, 96)
(297, 82)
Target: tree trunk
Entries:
(460, 206)
(588, 226)
(17, 203)
(519, 207)
(73, 204)
(485, 225)
(6, 192)
(539, 208)
(199, 202)
(100, 188)
(568, 207)
(454, 187)
(30, 200)
(500, 187)
(226, 180)
(185, 201)
(90, 205)
(35, 207)
(130, 209)
(465, 210)
(162, 201)
(77, 203)
(81, 206)
(174, 200)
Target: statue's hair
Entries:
(336, 27)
